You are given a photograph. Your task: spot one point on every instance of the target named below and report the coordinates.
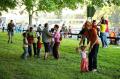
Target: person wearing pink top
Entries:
(57, 37)
(84, 60)
(57, 42)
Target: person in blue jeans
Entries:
(25, 46)
(103, 34)
(103, 40)
(30, 39)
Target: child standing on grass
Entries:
(39, 45)
(25, 46)
(52, 42)
(84, 60)
(30, 38)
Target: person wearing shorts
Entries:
(47, 47)
(46, 35)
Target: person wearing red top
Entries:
(94, 25)
(30, 40)
(91, 34)
(39, 45)
(83, 31)
(107, 30)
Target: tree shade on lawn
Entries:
(67, 67)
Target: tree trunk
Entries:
(30, 20)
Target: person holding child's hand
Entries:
(91, 34)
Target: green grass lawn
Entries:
(67, 67)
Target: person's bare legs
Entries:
(46, 55)
(47, 50)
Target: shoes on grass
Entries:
(94, 70)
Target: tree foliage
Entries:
(49, 5)
(72, 4)
(101, 3)
(38, 5)
(7, 4)
(33, 6)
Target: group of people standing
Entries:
(66, 31)
(34, 38)
(50, 39)
(91, 31)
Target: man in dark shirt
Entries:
(10, 30)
